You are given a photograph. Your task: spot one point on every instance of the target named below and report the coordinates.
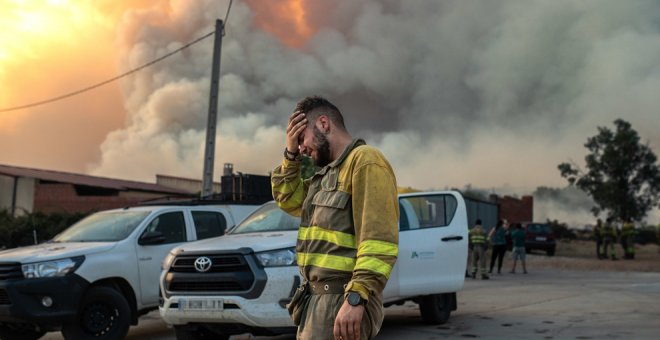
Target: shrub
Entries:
(20, 231)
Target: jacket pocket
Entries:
(298, 304)
(332, 199)
(332, 210)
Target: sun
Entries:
(34, 32)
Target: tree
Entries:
(622, 178)
(308, 169)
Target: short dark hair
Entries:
(315, 106)
(478, 221)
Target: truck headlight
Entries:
(167, 261)
(277, 258)
(53, 268)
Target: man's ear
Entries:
(323, 123)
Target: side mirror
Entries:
(151, 237)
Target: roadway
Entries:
(544, 304)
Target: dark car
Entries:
(540, 237)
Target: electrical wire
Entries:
(89, 88)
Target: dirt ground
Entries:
(581, 255)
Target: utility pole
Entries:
(209, 153)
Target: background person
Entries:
(598, 235)
(497, 237)
(478, 244)
(609, 237)
(518, 236)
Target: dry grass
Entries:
(581, 255)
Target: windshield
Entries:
(539, 228)
(103, 227)
(269, 217)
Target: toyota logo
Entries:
(203, 264)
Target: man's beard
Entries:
(322, 149)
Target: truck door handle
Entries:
(452, 238)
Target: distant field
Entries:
(581, 255)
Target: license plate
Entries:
(201, 304)
(540, 238)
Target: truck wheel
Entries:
(196, 332)
(435, 309)
(20, 332)
(551, 252)
(103, 314)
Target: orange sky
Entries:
(53, 47)
(49, 48)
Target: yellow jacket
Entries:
(349, 218)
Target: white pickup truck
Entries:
(97, 277)
(241, 282)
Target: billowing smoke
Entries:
(492, 93)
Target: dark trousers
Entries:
(599, 244)
(498, 253)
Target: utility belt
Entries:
(301, 297)
(328, 287)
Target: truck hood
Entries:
(53, 251)
(259, 242)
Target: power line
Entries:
(89, 88)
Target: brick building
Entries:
(515, 210)
(25, 190)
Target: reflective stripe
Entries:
(337, 237)
(478, 239)
(374, 265)
(377, 247)
(335, 262)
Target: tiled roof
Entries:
(80, 179)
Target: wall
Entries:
(56, 197)
(22, 202)
(516, 210)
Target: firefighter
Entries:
(598, 234)
(348, 236)
(628, 234)
(657, 236)
(479, 245)
(609, 238)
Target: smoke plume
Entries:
(492, 93)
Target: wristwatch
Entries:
(291, 155)
(354, 299)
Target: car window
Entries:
(171, 224)
(209, 224)
(268, 217)
(103, 227)
(539, 228)
(427, 211)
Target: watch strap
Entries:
(291, 156)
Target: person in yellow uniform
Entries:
(628, 239)
(348, 237)
(657, 236)
(478, 244)
(609, 238)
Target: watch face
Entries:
(354, 299)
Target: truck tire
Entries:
(104, 314)
(196, 332)
(435, 309)
(20, 332)
(551, 252)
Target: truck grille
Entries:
(220, 264)
(4, 297)
(228, 273)
(10, 270)
(205, 286)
